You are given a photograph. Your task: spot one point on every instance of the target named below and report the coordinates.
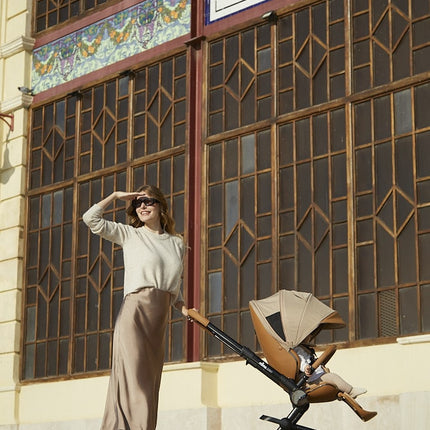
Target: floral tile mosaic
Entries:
(108, 41)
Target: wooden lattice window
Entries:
(349, 198)
(240, 79)
(239, 232)
(104, 128)
(311, 53)
(160, 107)
(313, 229)
(73, 287)
(53, 143)
(49, 13)
(49, 284)
(390, 41)
(392, 204)
(99, 276)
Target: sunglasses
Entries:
(147, 201)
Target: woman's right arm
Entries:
(109, 230)
(103, 204)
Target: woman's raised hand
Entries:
(123, 195)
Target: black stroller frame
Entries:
(297, 395)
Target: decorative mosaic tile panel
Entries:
(108, 41)
(218, 9)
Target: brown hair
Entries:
(166, 220)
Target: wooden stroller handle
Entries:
(194, 315)
(324, 357)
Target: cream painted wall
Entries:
(15, 46)
(233, 395)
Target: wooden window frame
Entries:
(57, 137)
(343, 212)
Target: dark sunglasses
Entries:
(147, 201)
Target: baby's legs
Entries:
(336, 380)
(342, 385)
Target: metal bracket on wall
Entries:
(10, 116)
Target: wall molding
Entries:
(21, 43)
(15, 103)
(410, 340)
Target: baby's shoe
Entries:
(357, 391)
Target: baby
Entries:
(307, 357)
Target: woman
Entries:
(153, 262)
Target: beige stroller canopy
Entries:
(290, 316)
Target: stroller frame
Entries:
(298, 396)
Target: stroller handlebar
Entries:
(324, 357)
(194, 315)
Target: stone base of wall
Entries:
(404, 411)
(66, 425)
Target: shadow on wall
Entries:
(6, 170)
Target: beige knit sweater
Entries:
(150, 259)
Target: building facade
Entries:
(292, 140)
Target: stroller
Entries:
(281, 322)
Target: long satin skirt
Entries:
(137, 361)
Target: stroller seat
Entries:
(286, 361)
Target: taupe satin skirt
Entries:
(137, 361)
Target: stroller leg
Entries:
(284, 424)
(297, 413)
(290, 422)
